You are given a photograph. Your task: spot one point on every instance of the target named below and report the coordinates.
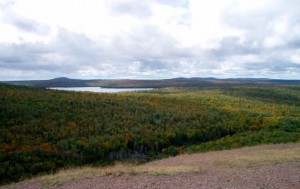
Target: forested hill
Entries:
(175, 82)
(44, 130)
(57, 82)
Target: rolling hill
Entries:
(160, 83)
(43, 131)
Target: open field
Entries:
(266, 166)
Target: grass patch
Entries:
(261, 157)
(167, 170)
(116, 170)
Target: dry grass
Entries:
(261, 157)
(116, 170)
(166, 170)
(247, 159)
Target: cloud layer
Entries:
(149, 39)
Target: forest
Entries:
(42, 130)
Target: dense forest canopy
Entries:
(43, 130)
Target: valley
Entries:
(43, 131)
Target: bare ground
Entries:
(267, 166)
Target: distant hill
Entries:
(56, 82)
(129, 83)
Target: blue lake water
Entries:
(99, 89)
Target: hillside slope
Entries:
(43, 131)
(266, 166)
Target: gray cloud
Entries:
(148, 51)
(65, 54)
(230, 46)
(26, 56)
(275, 64)
(174, 3)
(22, 23)
(141, 9)
(270, 37)
(294, 44)
(138, 9)
(6, 3)
(150, 42)
(261, 23)
(27, 25)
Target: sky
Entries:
(149, 39)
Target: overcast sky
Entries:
(150, 39)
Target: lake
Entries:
(99, 89)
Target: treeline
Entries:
(43, 130)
